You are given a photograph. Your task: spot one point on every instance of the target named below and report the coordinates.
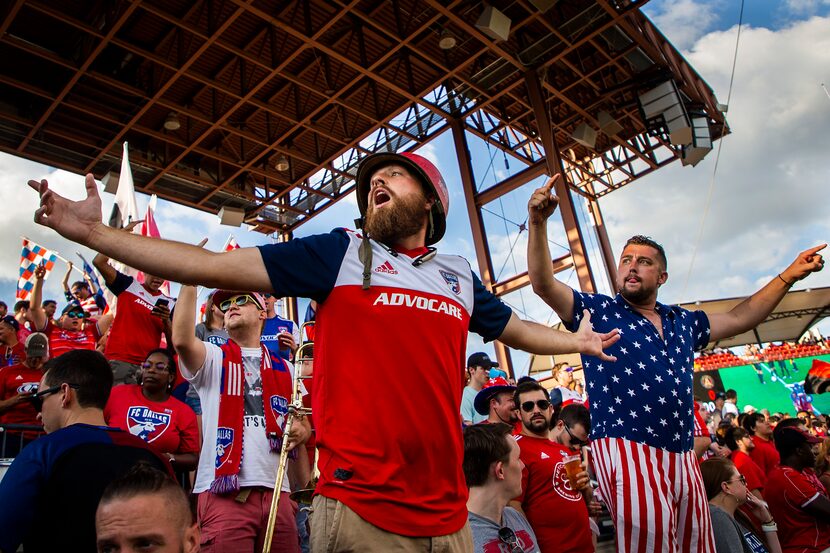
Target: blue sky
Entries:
(766, 197)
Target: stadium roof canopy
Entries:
(268, 106)
(796, 314)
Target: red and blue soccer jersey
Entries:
(646, 395)
(388, 374)
(135, 330)
(169, 426)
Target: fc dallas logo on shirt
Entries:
(146, 423)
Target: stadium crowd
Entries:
(135, 427)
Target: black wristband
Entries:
(784, 281)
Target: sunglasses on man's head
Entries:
(37, 398)
(508, 537)
(76, 314)
(237, 300)
(542, 404)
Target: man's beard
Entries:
(538, 426)
(392, 223)
(636, 296)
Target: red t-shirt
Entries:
(61, 341)
(755, 478)
(135, 330)
(14, 380)
(557, 514)
(765, 455)
(311, 444)
(12, 355)
(788, 492)
(169, 426)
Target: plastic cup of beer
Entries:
(573, 466)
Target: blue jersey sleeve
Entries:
(100, 300)
(306, 267)
(121, 283)
(19, 492)
(490, 314)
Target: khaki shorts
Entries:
(336, 528)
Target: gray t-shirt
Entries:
(486, 532)
(731, 536)
(468, 410)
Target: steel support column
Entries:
(485, 264)
(562, 189)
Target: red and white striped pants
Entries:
(656, 497)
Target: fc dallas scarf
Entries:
(276, 392)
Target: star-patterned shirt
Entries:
(646, 395)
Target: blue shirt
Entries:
(646, 395)
(49, 495)
(270, 335)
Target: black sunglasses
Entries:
(542, 404)
(508, 536)
(37, 398)
(75, 314)
(575, 442)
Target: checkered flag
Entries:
(31, 256)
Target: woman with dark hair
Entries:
(726, 491)
(147, 410)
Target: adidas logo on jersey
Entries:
(545, 455)
(386, 268)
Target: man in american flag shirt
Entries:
(642, 404)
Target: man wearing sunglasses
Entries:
(244, 389)
(392, 325)
(70, 332)
(60, 477)
(557, 513)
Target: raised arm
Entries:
(101, 262)
(556, 294)
(66, 278)
(36, 315)
(755, 309)
(191, 350)
(540, 339)
(81, 222)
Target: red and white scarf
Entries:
(276, 394)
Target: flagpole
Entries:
(59, 256)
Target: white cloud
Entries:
(806, 6)
(683, 21)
